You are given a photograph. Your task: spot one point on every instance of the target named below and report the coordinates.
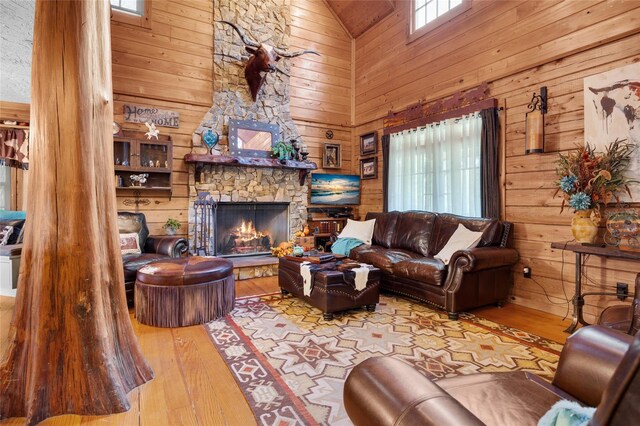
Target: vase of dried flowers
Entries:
(590, 179)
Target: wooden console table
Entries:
(580, 251)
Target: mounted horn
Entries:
(294, 54)
(246, 40)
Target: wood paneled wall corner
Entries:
(516, 46)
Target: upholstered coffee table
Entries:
(184, 291)
(333, 290)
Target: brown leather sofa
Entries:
(153, 248)
(625, 318)
(598, 367)
(403, 247)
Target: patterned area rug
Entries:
(291, 364)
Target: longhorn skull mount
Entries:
(262, 59)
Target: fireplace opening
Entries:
(248, 229)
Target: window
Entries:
(135, 7)
(5, 188)
(437, 168)
(429, 14)
(132, 12)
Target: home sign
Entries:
(143, 114)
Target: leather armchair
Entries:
(598, 367)
(153, 248)
(625, 318)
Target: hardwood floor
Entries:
(192, 385)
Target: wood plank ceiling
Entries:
(358, 16)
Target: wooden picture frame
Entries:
(369, 168)
(332, 156)
(369, 144)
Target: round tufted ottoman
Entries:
(184, 291)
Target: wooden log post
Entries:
(72, 347)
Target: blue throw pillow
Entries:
(12, 215)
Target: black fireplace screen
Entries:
(250, 228)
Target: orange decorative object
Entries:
(306, 230)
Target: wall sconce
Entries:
(534, 131)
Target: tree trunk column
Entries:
(72, 347)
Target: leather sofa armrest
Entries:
(167, 245)
(588, 361)
(386, 391)
(482, 258)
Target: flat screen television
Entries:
(340, 190)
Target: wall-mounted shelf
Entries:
(138, 154)
(201, 160)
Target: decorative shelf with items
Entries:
(142, 164)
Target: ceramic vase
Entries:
(170, 231)
(583, 227)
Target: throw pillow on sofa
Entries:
(129, 243)
(5, 234)
(462, 239)
(363, 231)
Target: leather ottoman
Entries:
(331, 292)
(184, 291)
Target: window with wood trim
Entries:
(133, 12)
(429, 14)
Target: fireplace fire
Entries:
(245, 229)
(246, 239)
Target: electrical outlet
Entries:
(526, 272)
(622, 290)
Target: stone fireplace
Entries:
(267, 21)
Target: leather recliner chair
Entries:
(625, 318)
(598, 367)
(153, 248)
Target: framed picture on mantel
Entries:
(369, 144)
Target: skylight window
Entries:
(135, 7)
(427, 11)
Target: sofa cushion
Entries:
(446, 224)
(129, 222)
(16, 232)
(384, 227)
(413, 232)
(133, 262)
(129, 243)
(381, 257)
(359, 230)
(5, 234)
(462, 239)
(427, 270)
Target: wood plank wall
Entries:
(516, 46)
(170, 66)
(321, 85)
(16, 112)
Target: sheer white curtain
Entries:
(437, 167)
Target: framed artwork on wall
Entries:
(369, 168)
(369, 144)
(611, 102)
(332, 156)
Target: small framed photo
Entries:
(369, 144)
(332, 156)
(369, 168)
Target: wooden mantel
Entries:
(201, 160)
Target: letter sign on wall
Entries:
(142, 114)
